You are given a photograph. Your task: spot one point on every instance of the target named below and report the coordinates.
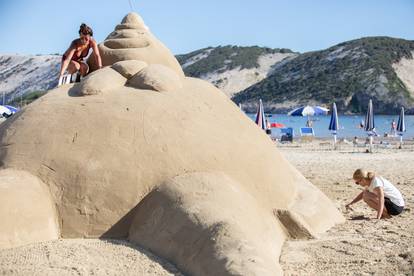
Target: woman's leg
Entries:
(73, 67)
(84, 69)
(372, 201)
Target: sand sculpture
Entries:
(139, 151)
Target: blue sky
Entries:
(48, 26)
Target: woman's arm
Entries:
(356, 199)
(65, 62)
(96, 54)
(380, 193)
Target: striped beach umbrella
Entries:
(401, 125)
(260, 116)
(308, 111)
(334, 123)
(369, 125)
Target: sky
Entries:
(48, 26)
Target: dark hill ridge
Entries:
(349, 73)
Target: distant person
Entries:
(309, 123)
(361, 124)
(355, 141)
(378, 194)
(73, 60)
(393, 128)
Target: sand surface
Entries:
(362, 245)
(82, 257)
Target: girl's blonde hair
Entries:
(363, 174)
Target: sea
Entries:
(349, 125)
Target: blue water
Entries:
(348, 125)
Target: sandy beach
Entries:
(360, 246)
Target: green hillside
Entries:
(349, 73)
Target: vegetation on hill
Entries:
(349, 73)
(223, 58)
(27, 98)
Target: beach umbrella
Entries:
(334, 124)
(401, 125)
(308, 111)
(4, 111)
(369, 124)
(260, 116)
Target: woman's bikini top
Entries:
(81, 51)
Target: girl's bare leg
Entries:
(372, 201)
(84, 69)
(73, 67)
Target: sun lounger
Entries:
(307, 133)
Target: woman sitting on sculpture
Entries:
(73, 60)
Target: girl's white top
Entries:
(390, 190)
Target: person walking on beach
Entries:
(73, 58)
(378, 194)
(393, 128)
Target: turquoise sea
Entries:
(348, 124)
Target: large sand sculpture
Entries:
(139, 151)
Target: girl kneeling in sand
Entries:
(379, 194)
(74, 58)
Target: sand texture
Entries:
(83, 257)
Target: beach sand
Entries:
(360, 246)
(82, 257)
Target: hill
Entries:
(349, 73)
(21, 75)
(233, 68)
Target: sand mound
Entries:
(27, 213)
(124, 160)
(128, 68)
(131, 40)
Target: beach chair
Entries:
(287, 134)
(307, 133)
